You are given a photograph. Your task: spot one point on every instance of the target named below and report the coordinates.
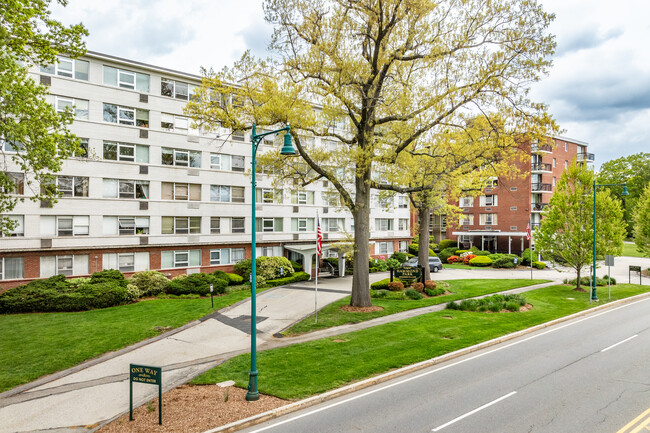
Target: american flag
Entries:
(528, 232)
(319, 238)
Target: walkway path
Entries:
(98, 390)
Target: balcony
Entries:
(538, 207)
(535, 226)
(586, 157)
(537, 167)
(536, 148)
(541, 187)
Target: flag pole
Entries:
(318, 234)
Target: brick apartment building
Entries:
(150, 192)
(497, 219)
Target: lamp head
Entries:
(625, 190)
(287, 149)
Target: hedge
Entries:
(268, 268)
(446, 253)
(297, 276)
(480, 261)
(539, 265)
(149, 283)
(447, 243)
(196, 284)
(383, 284)
(234, 279)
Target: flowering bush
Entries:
(466, 253)
(418, 286)
(452, 259)
(467, 258)
(429, 284)
(396, 286)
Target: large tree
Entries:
(633, 170)
(377, 76)
(34, 137)
(642, 222)
(566, 232)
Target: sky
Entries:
(598, 89)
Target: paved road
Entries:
(591, 374)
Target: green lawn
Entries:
(457, 266)
(629, 250)
(306, 369)
(332, 315)
(33, 345)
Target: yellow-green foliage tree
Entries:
(376, 76)
(566, 232)
(34, 138)
(642, 222)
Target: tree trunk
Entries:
(423, 240)
(360, 279)
(578, 269)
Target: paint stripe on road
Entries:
(474, 411)
(620, 342)
(638, 420)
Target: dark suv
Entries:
(435, 264)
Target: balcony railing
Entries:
(541, 148)
(586, 157)
(541, 166)
(535, 226)
(538, 207)
(541, 187)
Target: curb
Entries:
(321, 398)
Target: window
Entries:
(554, 180)
(513, 188)
(384, 224)
(566, 147)
(402, 202)
(12, 268)
(220, 256)
(64, 265)
(302, 224)
(237, 225)
(269, 224)
(302, 197)
(333, 224)
(331, 198)
(65, 225)
(72, 186)
(17, 184)
(236, 255)
(403, 246)
(180, 259)
(466, 202)
(489, 200)
(384, 248)
(180, 225)
(566, 164)
(18, 230)
(117, 188)
(553, 162)
(126, 79)
(227, 194)
(126, 115)
(403, 224)
(181, 191)
(238, 136)
(513, 228)
(71, 68)
(492, 183)
(466, 220)
(177, 89)
(268, 195)
(176, 123)
(513, 207)
(215, 225)
(385, 201)
(126, 152)
(269, 251)
(126, 262)
(181, 157)
(83, 149)
(487, 219)
(238, 163)
(220, 162)
(126, 225)
(79, 107)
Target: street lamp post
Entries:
(288, 150)
(593, 277)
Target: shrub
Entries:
(396, 286)
(267, 268)
(334, 261)
(586, 281)
(481, 253)
(393, 263)
(495, 303)
(109, 275)
(467, 258)
(539, 265)
(378, 293)
(460, 253)
(297, 276)
(430, 284)
(446, 243)
(419, 287)
(452, 259)
(221, 275)
(413, 294)
(480, 261)
(446, 253)
(502, 261)
(525, 256)
(434, 292)
(296, 266)
(413, 248)
(197, 284)
(512, 306)
(149, 283)
(400, 257)
(234, 279)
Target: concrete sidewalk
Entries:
(99, 390)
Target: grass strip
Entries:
(36, 344)
(630, 250)
(310, 368)
(332, 315)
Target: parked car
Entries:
(435, 264)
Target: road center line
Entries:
(475, 410)
(620, 342)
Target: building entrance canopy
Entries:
(309, 250)
(489, 234)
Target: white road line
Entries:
(444, 367)
(474, 411)
(620, 342)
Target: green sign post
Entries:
(145, 374)
(634, 269)
(408, 273)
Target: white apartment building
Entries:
(152, 193)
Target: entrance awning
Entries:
(488, 233)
